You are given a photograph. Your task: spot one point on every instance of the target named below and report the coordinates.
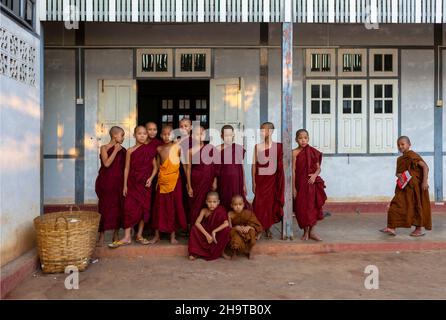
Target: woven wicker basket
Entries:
(66, 238)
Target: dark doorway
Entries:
(166, 102)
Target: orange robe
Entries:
(169, 214)
(243, 242)
(410, 206)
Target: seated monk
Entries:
(245, 228)
(210, 234)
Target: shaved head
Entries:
(212, 194)
(405, 138)
(115, 130)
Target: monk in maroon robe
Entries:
(230, 173)
(308, 192)
(201, 175)
(185, 145)
(109, 184)
(141, 168)
(268, 180)
(211, 233)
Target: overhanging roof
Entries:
(300, 11)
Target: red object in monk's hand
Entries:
(404, 180)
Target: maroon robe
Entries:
(154, 183)
(168, 214)
(138, 199)
(269, 194)
(185, 145)
(230, 175)
(199, 246)
(108, 187)
(310, 197)
(202, 177)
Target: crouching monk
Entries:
(245, 228)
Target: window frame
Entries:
(342, 73)
(395, 115)
(331, 73)
(331, 149)
(393, 73)
(154, 74)
(20, 16)
(363, 116)
(193, 74)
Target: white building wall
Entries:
(20, 125)
(59, 126)
(417, 98)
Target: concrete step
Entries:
(274, 247)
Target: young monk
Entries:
(245, 228)
(200, 173)
(152, 130)
(210, 234)
(410, 206)
(109, 184)
(268, 180)
(230, 173)
(308, 186)
(140, 169)
(169, 215)
(185, 145)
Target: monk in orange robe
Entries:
(209, 235)
(140, 170)
(245, 228)
(410, 206)
(268, 183)
(169, 215)
(308, 187)
(109, 184)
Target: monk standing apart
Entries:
(140, 169)
(200, 173)
(268, 182)
(410, 206)
(230, 172)
(245, 228)
(308, 187)
(210, 234)
(109, 184)
(169, 215)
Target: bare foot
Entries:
(304, 236)
(173, 240)
(269, 235)
(191, 257)
(418, 232)
(155, 239)
(225, 256)
(314, 236)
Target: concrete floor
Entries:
(280, 269)
(405, 275)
